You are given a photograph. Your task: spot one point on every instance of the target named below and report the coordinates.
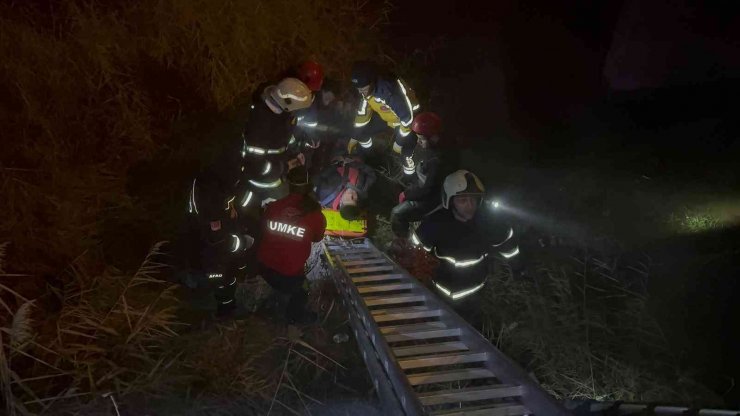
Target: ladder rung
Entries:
(440, 360)
(415, 350)
(392, 300)
(499, 409)
(417, 335)
(447, 376)
(383, 311)
(425, 345)
(470, 394)
(346, 248)
(355, 252)
(401, 316)
(353, 257)
(378, 278)
(386, 267)
(384, 288)
(354, 263)
(412, 327)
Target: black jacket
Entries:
(266, 130)
(464, 247)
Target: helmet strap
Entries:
(271, 103)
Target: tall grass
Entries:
(89, 89)
(109, 331)
(584, 329)
(116, 341)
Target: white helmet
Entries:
(289, 95)
(461, 182)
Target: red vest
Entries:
(287, 234)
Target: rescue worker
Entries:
(268, 145)
(422, 195)
(344, 185)
(248, 171)
(386, 102)
(253, 165)
(329, 118)
(311, 73)
(222, 242)
(289, 227)
(463, 234)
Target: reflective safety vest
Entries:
(393, 101)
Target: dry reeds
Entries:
(110, 333)
(584, 329)
(88, 90)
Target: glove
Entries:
(297, 161)
(401, 197)
(313, 143)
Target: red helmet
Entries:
(427, 124)
(312, 74)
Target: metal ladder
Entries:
(423, 358)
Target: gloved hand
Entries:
(297, 161)
(313, 143)
(401, 197)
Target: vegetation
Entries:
(97, 97)
(117, 342)
(693, 221)
(90, 92)
(90, 89)
(584, 329)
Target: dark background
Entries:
(639, 98)
(525, 68)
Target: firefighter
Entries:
(344, 185)
(422, 195)
(246, 174)
(464, 233)
(222, 243)
(252, 166)
(289, 227)
(268, 144)
(387, 101)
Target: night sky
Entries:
(557, 57)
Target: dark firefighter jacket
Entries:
(331, 182)
(267, 144)
(267, 134)
(220, 234)
(288, 229)
(266, 137)
(463, 248)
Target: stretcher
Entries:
(336, 226)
